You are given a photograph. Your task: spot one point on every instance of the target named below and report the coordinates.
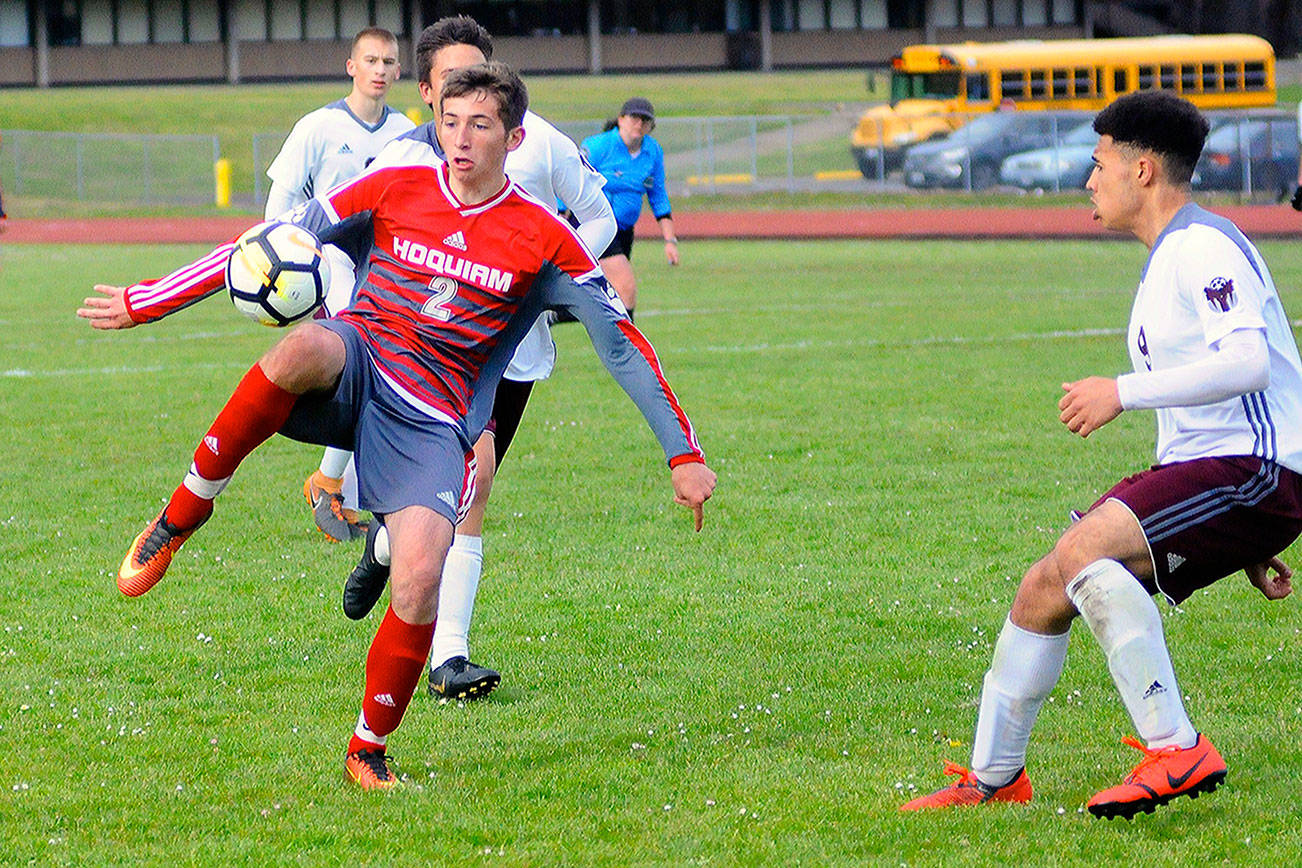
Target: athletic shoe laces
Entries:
(157, 540)
(377, 762)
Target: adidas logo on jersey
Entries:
(1173, 562)
(456, 240)
(385, 699)
(344, 149)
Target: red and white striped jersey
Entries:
(452, 289)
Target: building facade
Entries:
(56, 42)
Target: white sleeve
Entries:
(281, 199)
(1239, 364)
(579, 186)
(297, 159)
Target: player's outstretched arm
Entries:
(693, 484)
(108, 311)
(1273, 578)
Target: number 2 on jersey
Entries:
(435, 307)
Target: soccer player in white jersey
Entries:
(332, 144)
(547, 164)
(1214, 356)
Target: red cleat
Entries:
(369, 769)
(967, 790)
(1162, 775)
(150, 555)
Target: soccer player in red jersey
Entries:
(461, 264)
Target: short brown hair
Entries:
(494, 78)
(372, 32)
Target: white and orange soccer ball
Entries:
(276, 274)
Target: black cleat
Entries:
(458, 678)
(367, 580)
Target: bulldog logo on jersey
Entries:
(1220, 294)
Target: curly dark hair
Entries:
(1157, 121)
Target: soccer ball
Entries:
(276, 275)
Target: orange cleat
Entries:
(968, 790)
(325, 496)
(369, 769)
(150, 555)
(1162, 775)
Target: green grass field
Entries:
(882, 418)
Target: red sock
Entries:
(255, 411)
(393, 668)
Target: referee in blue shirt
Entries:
(634, 166)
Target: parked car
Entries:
(977, 148)
(1065, 166)
(1270, 144)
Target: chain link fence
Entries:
(1251, 153)
(109, 167)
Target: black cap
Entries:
(640, 106)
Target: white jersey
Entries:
(332, 145)
(1204, 280)
(547, 166)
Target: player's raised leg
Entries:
(308, 358)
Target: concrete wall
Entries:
(543, 54)
(117, 64)
(17, 66)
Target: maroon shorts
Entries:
(1211, 517)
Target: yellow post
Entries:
(414, 114)
(222, 176)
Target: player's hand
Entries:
(693, 485)
(1296, 201)
(671, 252)
(1089, 404)
(109, 312)
(1273, 587)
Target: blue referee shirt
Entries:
(628, 178)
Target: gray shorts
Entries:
(403, 457)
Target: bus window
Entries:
(1211, 77)
(1233, 78)
(978, 87)
(1119, 81)
(1168, 77)
(1014, 83)
(1084, 81)
(923, 85)
(1147, 77)
(1060, 84)
(1038, 84)
(1254, 76)
(1189, 78)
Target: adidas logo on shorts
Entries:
(1173, 562)
(449, 498)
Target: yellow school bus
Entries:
(935, 87)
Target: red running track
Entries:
(1257, 221)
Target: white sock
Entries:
(1025, 668)
(333, 462)
(457, 591)
(365, 733)
(1125, 621)
(349, 477)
